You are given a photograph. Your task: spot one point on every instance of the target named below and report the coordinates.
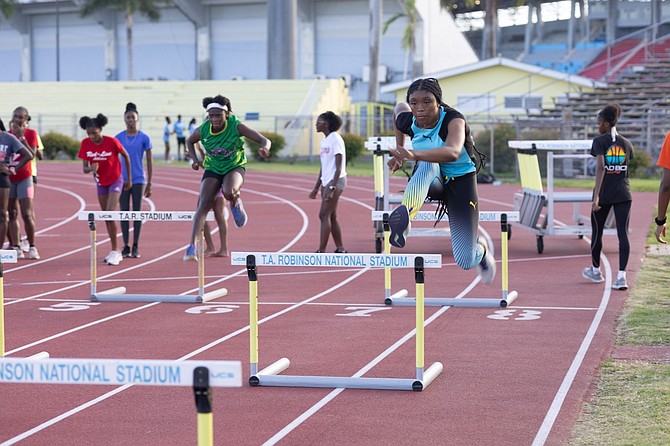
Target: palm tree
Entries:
(148, 8)
(409, 36)
(7, 8)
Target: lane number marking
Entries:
(362, 311)
(516, 315)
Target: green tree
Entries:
(7, 8)
(148, 8)
(409, 36)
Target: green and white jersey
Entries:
(224, 151)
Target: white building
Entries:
(225, 39)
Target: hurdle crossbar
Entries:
(119, 294)
(201, 375)
(507, 297)
(269, 376)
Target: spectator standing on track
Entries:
(9, 145)
(191, 129)
(100, 156)
(137, 144)
(167, 131)
(332, 179)
(179, 128)
(443, 148)
(222, 138)
(21, 114)
(22, 189)
(663, 190)
(613, 153)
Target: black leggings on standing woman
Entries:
(137, 192)
(621, 217)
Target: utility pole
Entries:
(375, 39)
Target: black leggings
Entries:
(460, 195)
(137, 192)
(621, 217)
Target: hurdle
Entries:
(201, 375)
(507, 297)
(119, 294)
(269, 376)
(9, 256)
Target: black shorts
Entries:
(4, 181)
(181, 140)
(218, 176)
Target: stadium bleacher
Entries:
(283, 106)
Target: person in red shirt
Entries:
(22, 189)
(663, 190)
(9, 146)
(100, 156)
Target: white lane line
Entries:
(561, 395)
(206, 347)
(331, 396)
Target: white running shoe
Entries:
(487, 266)
(25, 246)
(19, 253)
(114, 258)
(109, 256)
(33, 254)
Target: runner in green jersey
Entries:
(222, 137)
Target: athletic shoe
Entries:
(114, 258)
(399, 225)
(593, 276)
(239, 215)
(111, 253)
(340, 251)
(620, 284)
(19, 253)
(487, 266)
(25, 246)
(33, 254)
(190, 254)
(136, 252)
(125, 252)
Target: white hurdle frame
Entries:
(507, 297)
(269, 376)
(9, 256)
(119, 294)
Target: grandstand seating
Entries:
(641, 91)
(288, 107)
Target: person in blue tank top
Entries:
(137, 144)
(442, 149)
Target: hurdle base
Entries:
(186, 298)
(347, 382)
(454, 302)
(397, 295)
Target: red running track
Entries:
(511, 376)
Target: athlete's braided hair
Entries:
(221, 100)
(610, 114)
(98, 122)
(429, 84)
(334, 121)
